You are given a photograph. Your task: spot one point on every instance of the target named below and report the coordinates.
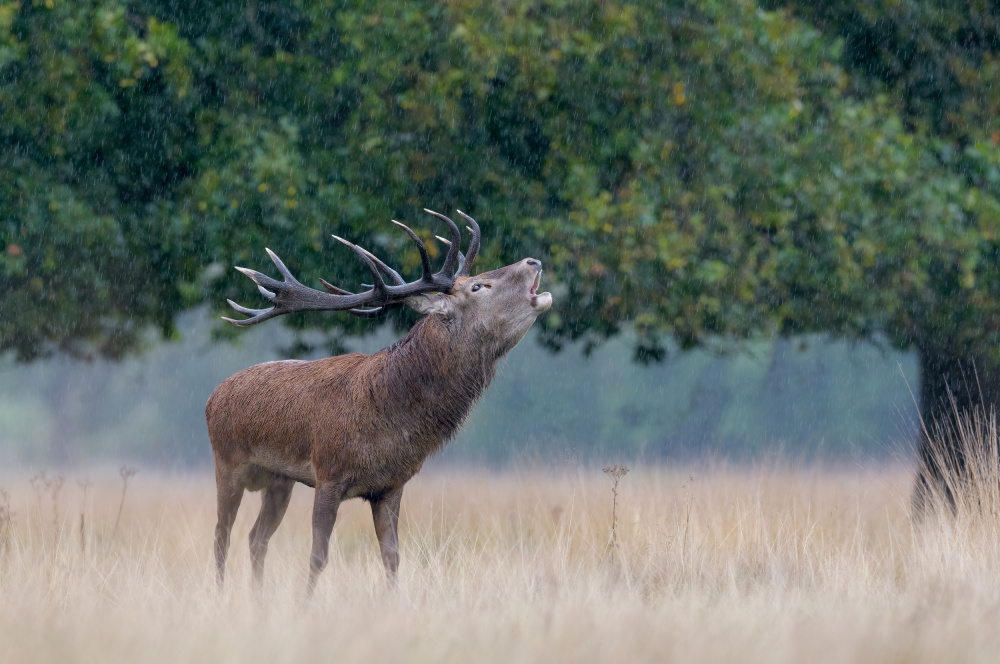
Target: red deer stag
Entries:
(360, 426)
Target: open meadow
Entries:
(766, 564)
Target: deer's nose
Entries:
(535, 264)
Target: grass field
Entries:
(768, 564)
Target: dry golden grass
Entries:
(741, 565)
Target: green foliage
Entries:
(701, 170)
(937, 66)
(96, 136)
(939, 63)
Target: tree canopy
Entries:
(698, 170)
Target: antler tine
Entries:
(246, 311)
(461, 256)
(470, 256)
(379, 285)
(330, 288)
(377, 312)
(425, 260)
(259, 278)
(285, 272)
(448, 269)
(257, 315)
(371, 314)
(396, 278)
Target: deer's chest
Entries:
(380, 463)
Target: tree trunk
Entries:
(952, 385)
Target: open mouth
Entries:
(539, 301)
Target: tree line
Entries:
(701, 172)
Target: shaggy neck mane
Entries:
(427, 382)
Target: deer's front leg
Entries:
(325, 507)
(385, 512)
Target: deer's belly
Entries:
(300, 471)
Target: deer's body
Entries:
(371, 419)
(360, 426)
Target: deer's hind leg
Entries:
(277, 494)
(230, 494)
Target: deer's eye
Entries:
(476, 287)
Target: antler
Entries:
(470, 255)
(289, 295)
(465, 261)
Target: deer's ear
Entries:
(430, 304)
